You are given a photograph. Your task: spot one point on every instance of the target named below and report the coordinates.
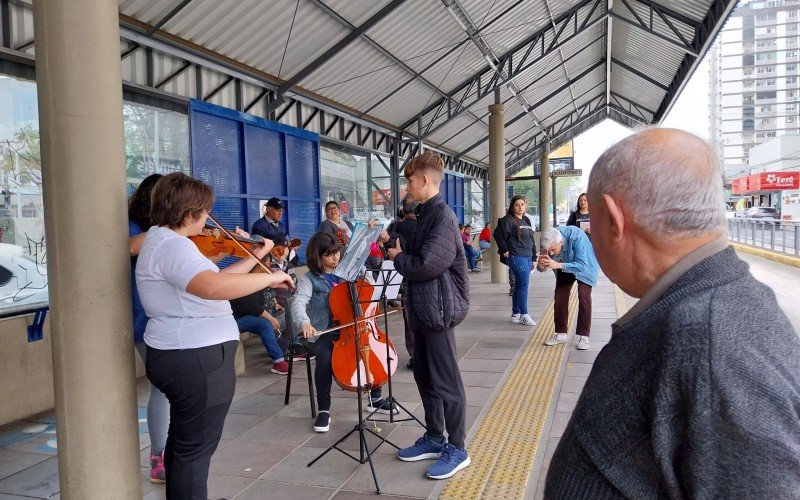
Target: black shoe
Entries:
(510, 293)
(323, 421)
(410, 364)
(394, 303)
(382, 406)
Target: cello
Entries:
(370, 365)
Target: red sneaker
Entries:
(281, 368)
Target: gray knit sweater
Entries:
(696, 397)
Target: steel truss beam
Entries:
(704, 34)
(166, 18)
(668, 16)
(560, 127)
(638, 73)
(633, 105)
(513, 62)
(337, 47)
(520, 116)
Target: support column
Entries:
(497, 183)
(83, 169)
(544, 190)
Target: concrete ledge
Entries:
(781, 258)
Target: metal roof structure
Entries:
(428, 69)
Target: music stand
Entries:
(349, 270)
(389, 275)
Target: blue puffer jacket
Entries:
(436, 269)
(577, 255)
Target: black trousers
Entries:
(439, 382)
(199, 384)
(323, 372)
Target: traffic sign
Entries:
(575, 172)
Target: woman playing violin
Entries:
(191, 335)
(311, 312)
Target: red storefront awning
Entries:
(766, 181)
(739, 186)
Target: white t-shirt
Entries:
(178, 320)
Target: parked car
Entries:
(23, 281)
(764, 213)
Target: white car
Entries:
(23, 281)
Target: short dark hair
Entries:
(331, 203)
(177, 195)
(322, 243)
(139, 204)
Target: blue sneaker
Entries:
(452, 461)
(423, 449)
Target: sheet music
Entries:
(395, 279)
(357, 252)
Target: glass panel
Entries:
(156, 141)
(21, 208)
(359, 181)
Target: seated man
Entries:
(251, 316)
(270, 225)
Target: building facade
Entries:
(754, 81)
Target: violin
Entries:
(371, 364)
(213, 242)
(220, 240)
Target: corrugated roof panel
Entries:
(355, 12)
(649, 54)
(456, 68)
(452, 128)
(543, 87)
(418, 33)
(405, 103)
(357, 77)
(631, 87)
(521, 22)
(256, 32)
(468, 137)
(147, 11)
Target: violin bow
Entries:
(353, 323)
(235, 240)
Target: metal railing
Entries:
(777, 236)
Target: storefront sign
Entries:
(766, 181)
(739, 186)
(774, 181)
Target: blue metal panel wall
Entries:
(452, 190)
(246, 159)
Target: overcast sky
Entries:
(689, 113)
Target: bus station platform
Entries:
(520, 396)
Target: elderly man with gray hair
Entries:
(568, 252)
(697, 395)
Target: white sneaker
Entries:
(527, 320)
(557, 338)
(583, 343)
(515, 318)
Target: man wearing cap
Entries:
(270, 226)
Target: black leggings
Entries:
(323, 373)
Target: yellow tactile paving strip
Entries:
(504, 447)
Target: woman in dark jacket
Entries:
(514, 237)
(580, 217)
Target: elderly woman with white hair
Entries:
(568, 251)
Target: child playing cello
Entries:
(310, 312)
